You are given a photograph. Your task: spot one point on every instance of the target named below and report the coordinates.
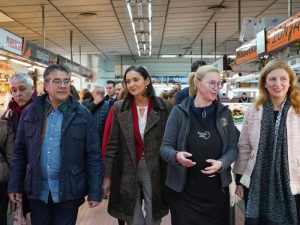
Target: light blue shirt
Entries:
(50, 162)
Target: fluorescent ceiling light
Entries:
(202, 56)
(149, 11)
(142, 26)
(20, 62)
(129, 11)
(3, 57)
(139, 7)
(168, 56)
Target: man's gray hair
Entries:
(97, 86)
(21, 77)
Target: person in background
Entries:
(74, 93)
(99, 109)
(85, 94)
(119, 93)
(184, 93)
(111, 95)
(22, 91)
(56, 158)
(244, 98)
(119, 89)
(171, 98)
(137, 127)
(199, 145)
(177, 87)
(268, 157)
(163, 94)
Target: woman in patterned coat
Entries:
(133, 165)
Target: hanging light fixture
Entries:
(143, 37)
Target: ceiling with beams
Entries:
(178, 26)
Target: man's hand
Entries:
(216, 165)
(15, 197)
(106, 185)
(93, 204)
(183, 159)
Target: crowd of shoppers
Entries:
(156, 156)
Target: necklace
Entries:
(142, 107)
(203, 114)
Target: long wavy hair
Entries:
(293, 93)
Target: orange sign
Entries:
(246, 52)
(284, 33)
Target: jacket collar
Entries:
(185, 105)
(157, 103)
(40, 100)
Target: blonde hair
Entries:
(199, 75)
(293, 92)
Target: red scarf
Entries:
(13, 105)
(139, 145)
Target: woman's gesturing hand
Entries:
(183, 159)
(216, 165)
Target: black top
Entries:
(204, 143)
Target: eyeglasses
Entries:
(213, 84)
(58, 82)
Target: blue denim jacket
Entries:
(81, 164)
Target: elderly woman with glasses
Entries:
(200, 144)
(267, 167)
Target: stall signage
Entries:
(86, 72)
(246, 52)
(35, 53)
(10, 42)
(284, 33)
(72, 66)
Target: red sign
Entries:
(284, 33)
(246, 52)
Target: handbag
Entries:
(19, 218)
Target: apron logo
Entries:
(204, 135)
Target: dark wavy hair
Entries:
(150, 92)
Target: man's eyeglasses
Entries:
(58, 82)
(213, 85)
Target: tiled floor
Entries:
(99, 216)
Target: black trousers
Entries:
(3, 203)
(64, 213)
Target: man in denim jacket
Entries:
(56, 157)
